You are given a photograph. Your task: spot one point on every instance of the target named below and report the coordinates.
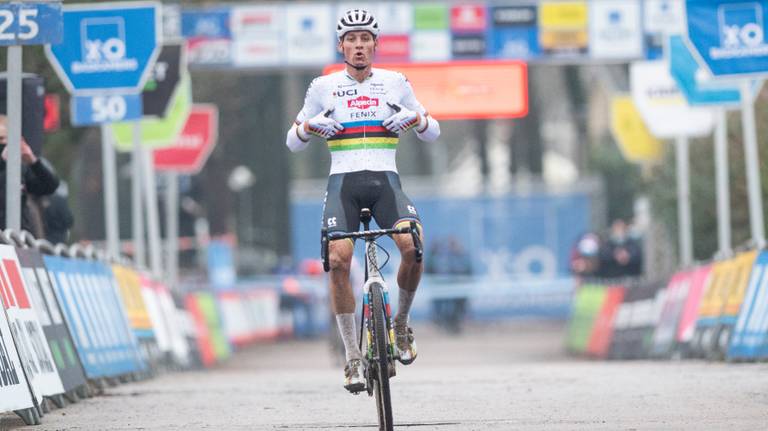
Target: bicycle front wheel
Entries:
(381, 360)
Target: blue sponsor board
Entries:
(513, 32)
(107, 47)
(30, 23)
(512, 236)
(111, 108)
(729, 35)
(88, 296)
(687, 73)
(749, 339)
(210, 23)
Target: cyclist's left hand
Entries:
(402, 120)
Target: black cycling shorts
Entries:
(380, 192)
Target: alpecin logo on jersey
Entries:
(362, 102)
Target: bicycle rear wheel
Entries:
(381, 362)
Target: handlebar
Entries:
(326, 237)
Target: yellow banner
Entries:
(738, 290)
(130, 291)
(564, 14)
(724, 274)
(630, 132)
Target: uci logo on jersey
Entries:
(742, 31)
(345, 93)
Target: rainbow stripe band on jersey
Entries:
(363, 135)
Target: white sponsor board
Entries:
(663, 106)
(257, 35)
(430, 45)
(14, 392)
(22, 318)
(310, 34)
(615, 29)
(664, 17)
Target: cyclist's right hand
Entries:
(322, 125)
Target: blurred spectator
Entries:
(57, 217)
(448, 257)
(37, 178)
(585, 255)
(622, 256)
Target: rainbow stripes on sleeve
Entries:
(363, 135)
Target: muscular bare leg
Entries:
(408, 277)
(342, 298)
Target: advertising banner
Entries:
(661, 18)
(208, 36)
(175, 323)
(160, 90)
(615, 29)
(430, 45)
(137, 311)
(158, 132)
(514, 32)
(26, 329)
(468, 25)
(724, 274)
(212, 345)
(257, 35)
(563, 27)
(87, 293)
(635, 322)
(309, 34)
(602, 331)
(750, 334)
(699, 282)
(665, 336)
(14, 390)
(662, 105)
(431, 36)
(729, 36)
(635, 141)
(586, 306)
(431, 16)
(468, 89)
(49, 315)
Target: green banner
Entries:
(431, 16)
(208, 306)
(159, 132)
(587, 304)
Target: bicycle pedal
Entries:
(392, 369)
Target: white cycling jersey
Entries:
(361, 107)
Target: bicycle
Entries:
(380, 353)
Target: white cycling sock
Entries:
(348, 331)
(404, 307)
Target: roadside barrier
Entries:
(602, 330)
(749, 340)
(715, 311)
(71, 323)
(587, 303)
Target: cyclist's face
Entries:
(358, 47)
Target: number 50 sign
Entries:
(30, 23)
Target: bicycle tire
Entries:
(381, 382)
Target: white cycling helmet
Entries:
(357, 20)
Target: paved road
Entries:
(498, 377)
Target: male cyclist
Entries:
(361, 112)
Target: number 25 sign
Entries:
(30, 23)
